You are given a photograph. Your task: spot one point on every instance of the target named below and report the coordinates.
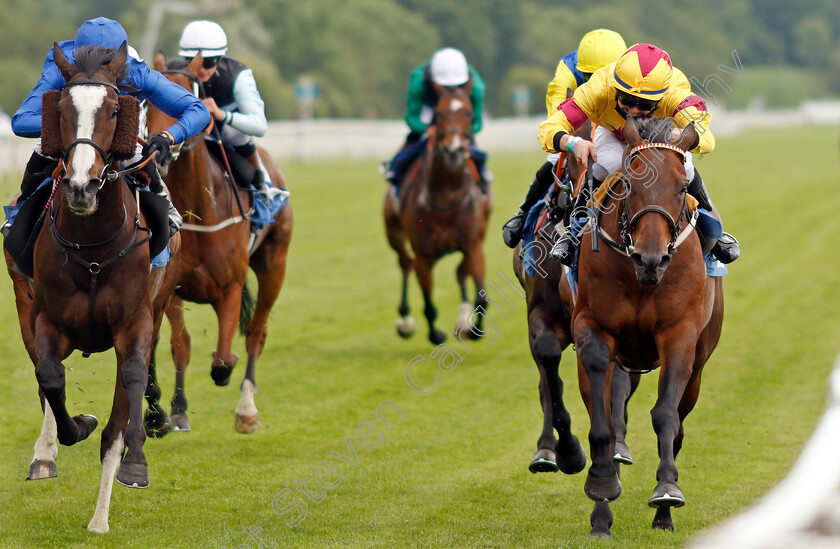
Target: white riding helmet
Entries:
(205, 37)
(449, 67)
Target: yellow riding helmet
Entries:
(644, 71)
(598, 48)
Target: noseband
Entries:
(626, 226)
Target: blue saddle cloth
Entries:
(264, 213)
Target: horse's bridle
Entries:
(107, 174)
(626, 225)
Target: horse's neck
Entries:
(195, 178)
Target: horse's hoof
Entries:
(474, 333)
(663, 525)
(246, 424)
(571, 463)
(599, 533)
(41, 468)
(667, 494)
(622, 454)
(544, 461)
(133, 475)
(97, 526)
(178, 422)
(157, 424)
(602, 489)
(437, 336)
(406, 327)
(86, 424)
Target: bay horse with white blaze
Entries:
(215, 257)
(441, 209)
(642, 305)
(92, 287)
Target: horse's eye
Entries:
(684, 189)
(114, 113)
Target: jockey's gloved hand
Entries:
(159, 142)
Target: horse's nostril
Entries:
(666, 260)
(636, 258)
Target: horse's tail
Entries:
(246, 309)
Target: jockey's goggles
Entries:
(629, 101)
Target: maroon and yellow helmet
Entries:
(644, 71)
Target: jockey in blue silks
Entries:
(141, 82)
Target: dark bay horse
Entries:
(92, 287)
(441, 210)
(550, 305)
(642, 305)
(215, 259)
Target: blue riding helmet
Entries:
(101, 32)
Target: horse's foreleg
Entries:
(602, 483)
(51, 380)
(423, 268)
(474, 266)
(621, 388)
(110, 453)
(180, 346)
(565, 453)
(46, 448)
(155, 419)
(110, 462)
(227, 311)
(133, 347)
(674, 376)
(397, 241)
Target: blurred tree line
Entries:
(359, 53)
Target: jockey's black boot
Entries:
(262, 181)
(726, 249)
(37, 169)
(156, 186)
(566, 246)
(512, 230)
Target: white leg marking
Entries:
(465, 309)
(99, 522)
(46, 447)
(246, 406)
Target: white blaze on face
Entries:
(456, 105)
(87, 100)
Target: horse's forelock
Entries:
(655, 129)
(89, 59)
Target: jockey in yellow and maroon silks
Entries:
(641, 83)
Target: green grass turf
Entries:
(453, 471)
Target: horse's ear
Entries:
(687, 137)
(123, 146)
(116, 64)
(159, 61)
(468, 87)
(61, 61)
(631, 132)
(569, 93)
(195, 64)
(50, 124)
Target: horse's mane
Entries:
(88, 60)
(654, 128)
